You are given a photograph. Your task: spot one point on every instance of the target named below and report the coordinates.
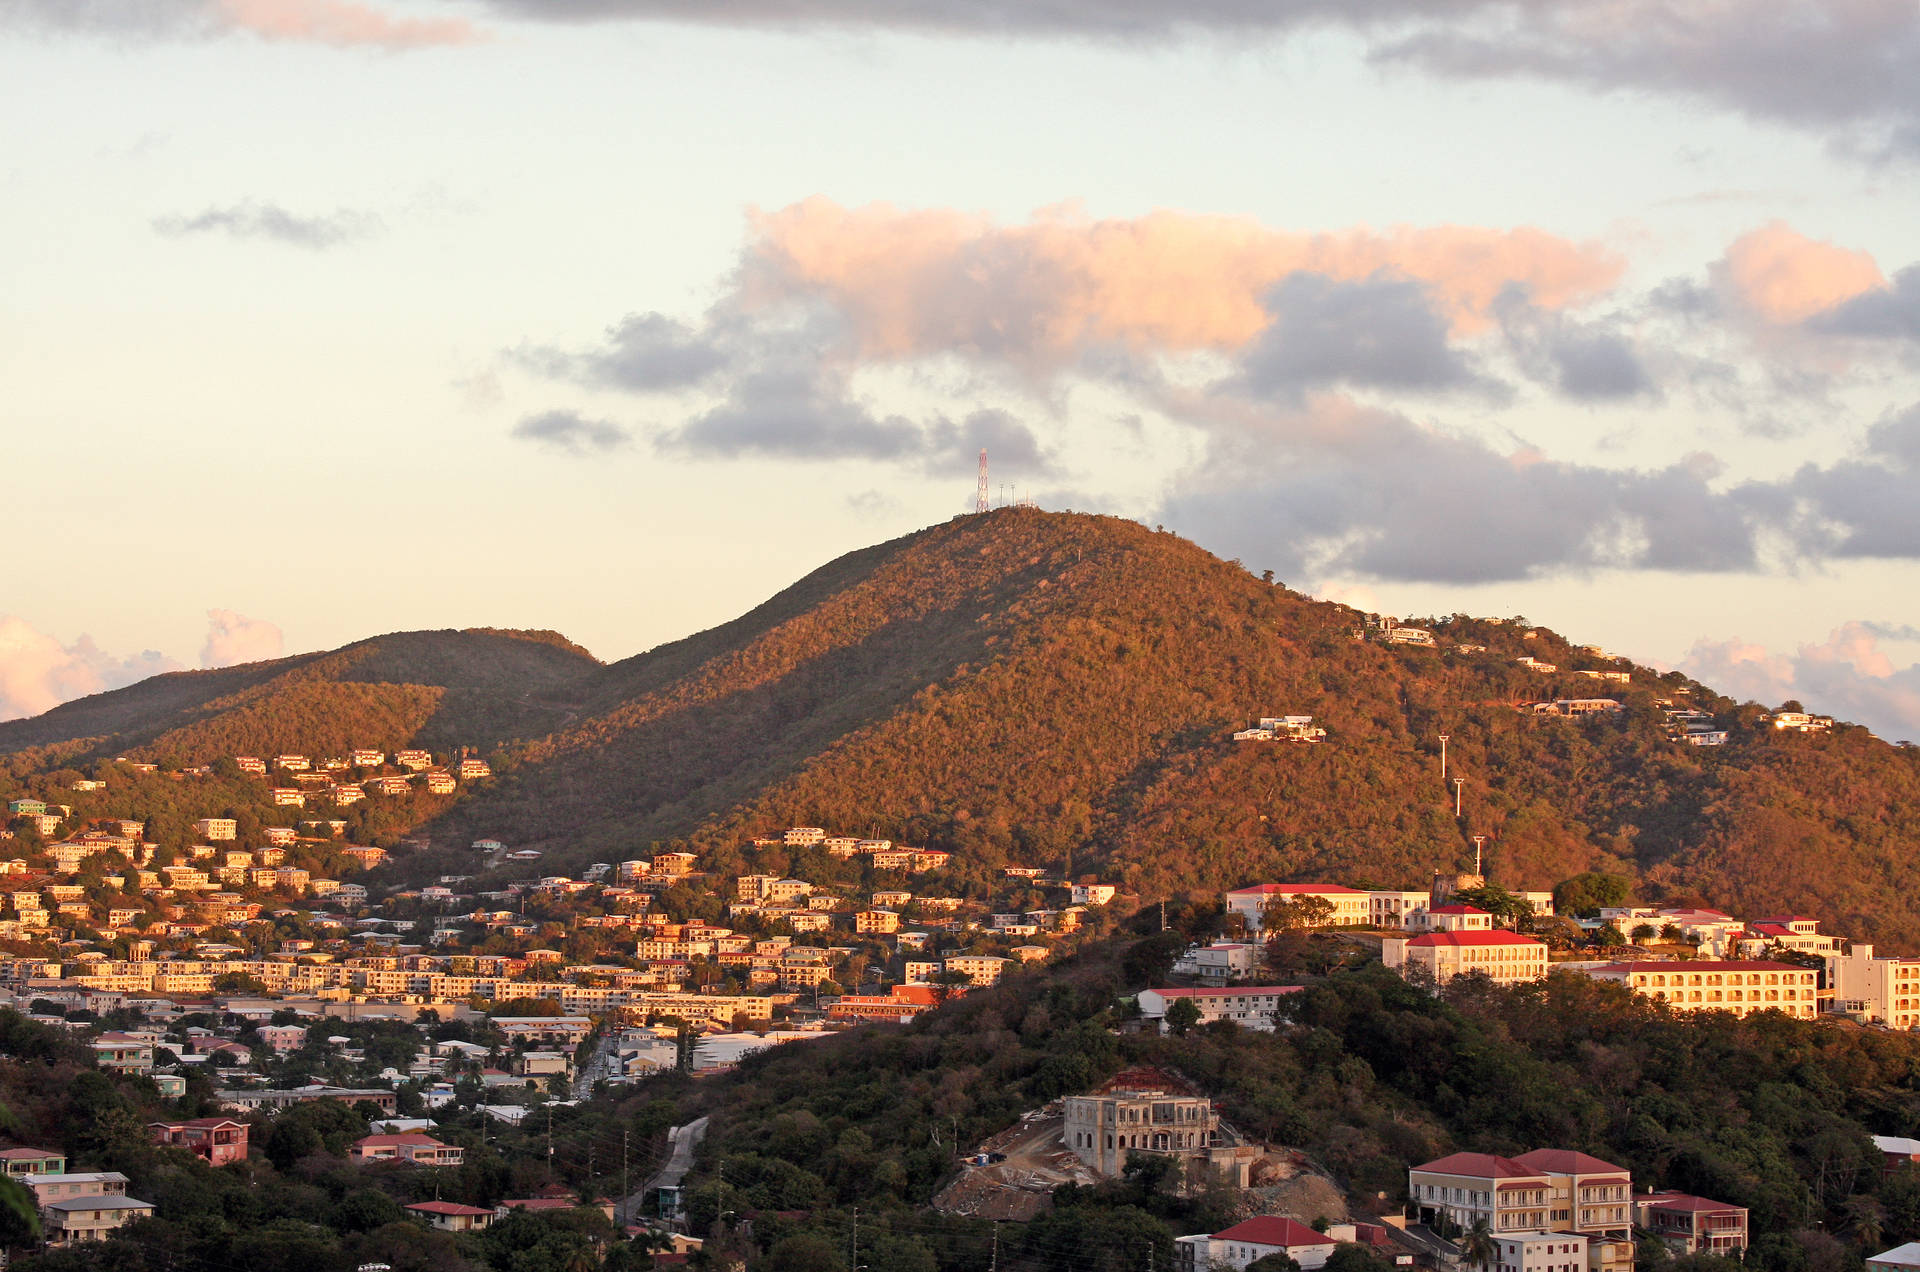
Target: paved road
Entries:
(684, 1140)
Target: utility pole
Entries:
(549, 1143)
(1458, 782)
(625, 1192)
(993, 1261)
(1477, 841)
(1443, 758)
(853, 1238)
(1163, 916)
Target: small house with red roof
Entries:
(1253, 1239)
(451, 1216)
(1693, 1225)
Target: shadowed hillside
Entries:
(444, 688)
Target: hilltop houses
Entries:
(1292, 728)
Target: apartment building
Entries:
(1350, 907)
(1545, 1191)
(1737, 986)
(78, 1220)
(1249, 1006)
(1506, 957)
(1884, 990)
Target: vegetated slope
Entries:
(445, 688)
(1058, 690)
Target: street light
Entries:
(1458, 782)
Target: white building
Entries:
(1253, 1239)
(1249, 1006)
(1350, 907)
(1883, 990)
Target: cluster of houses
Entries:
(1292, 728)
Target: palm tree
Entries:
(1477, 1244)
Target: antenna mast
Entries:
(980, 502)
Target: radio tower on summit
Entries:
(980, 503)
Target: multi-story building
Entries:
(1507, 957)
(1249, 1006)
(1540, 1252)
(1740, 987)
(1883, 990)
(81, 1219)
(1349, 907)
(1545, 1191)
(1146, 1111)
(1693, 1225)
(65, 1187)
(218, 1140)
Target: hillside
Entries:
(1059, 690)
(446, 688)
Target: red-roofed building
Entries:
(1506, 957)
(1545, 1191)
(1350, 907)
(1253, 1239)
(1738, 986)
(1693, 1225)
(449, 1216)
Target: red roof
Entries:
(1456, 909)
(1272, 1230)
(1495, 937)
(446, 1208)
(1684, 1201)
(1565, 1161)
(1229, 991)
(1296, 889)
(1479, 1166)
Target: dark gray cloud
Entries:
(1889, 313)
(1845, 68)
(274, 224)
(1378, 333)
(572, 432)
(1588, 361)
(1343, 490)
(1860, 506)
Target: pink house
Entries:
(217, 1139)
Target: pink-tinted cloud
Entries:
(234, 638)
(920, 282)
(38, 673)
(342, 24)
(1784, 277)
(1849, 676)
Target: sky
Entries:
(326, 318)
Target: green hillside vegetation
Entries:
(1059, 690)
(1369, 1076)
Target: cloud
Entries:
(273, 224)
(1782, 276)
(234, 638)
(1849, 677)
(335, 23)
(571, 432)
(38, 673)
(1585, 361)
(644, 353)
(1890, 312)
(1339, 489)
(1841, 68)
(342, 24)
(911, 283)
(1380, 332)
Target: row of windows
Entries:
(1728, 978)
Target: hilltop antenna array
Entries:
(980, 497)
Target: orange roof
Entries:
(1495, 937)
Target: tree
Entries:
(1477, 1245)
(806, 1252)
(1278, 1261)
(1585, 895)
(1182, 1015)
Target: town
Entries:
(256, 956)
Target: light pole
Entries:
(1458, 782)
(1443, 758)
(1477, 841)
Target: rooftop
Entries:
(1273, 1230)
